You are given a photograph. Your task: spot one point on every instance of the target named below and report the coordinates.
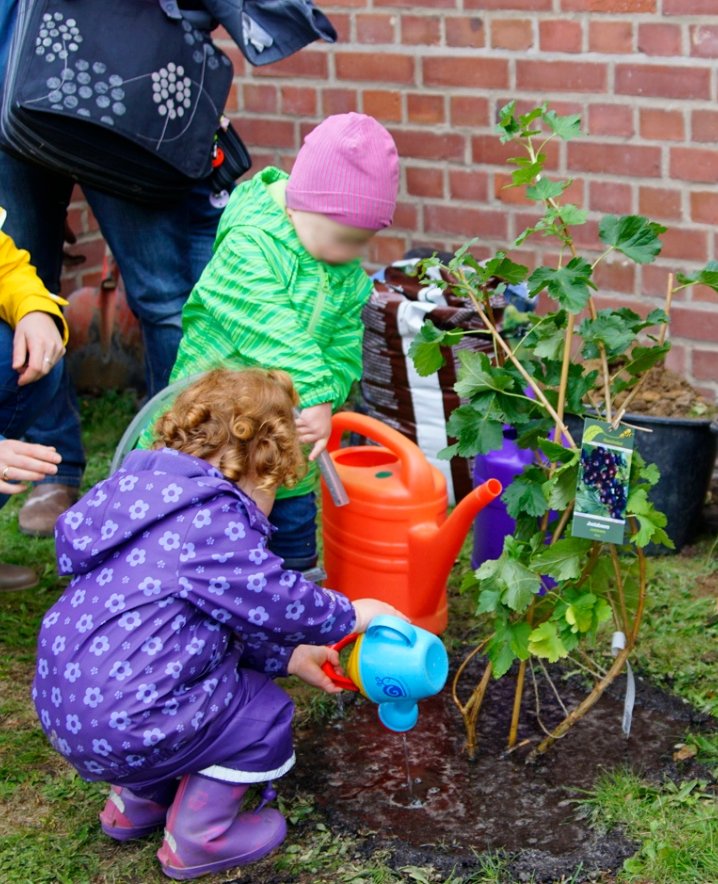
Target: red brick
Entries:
(616, 276)
(614, 6)
(563, 76)
(704, 206)
(299, 101)
(472, 185)
(610, 197)
(405, 216)
(704, 40)
(384, 68)
(662, 125)
(376, 28)
(684, 244)
(694, 164)
(610, 119)
(382, 104)
(307, 63)
(350, 3)
(488, 149)
(425, 108)
(705, 364)
(689, 7)
(663, 81)
(615, 159)
(422, 181)
(467, 110)
(424, 144)
(660, 202)
(659, 39)
(465, 30)
(677, 360)
(696, 324)
(704, 125)
(339, 101)
(560, 35)
(440, 219)
(411, 4)
(477, 73)
(654, 281)
(512, 33)
(611, 37)
(268, 133)
(506, 5)
(260, 98)
(386, 248)
(420, 30)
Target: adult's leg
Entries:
(161, 252)
(36, 201)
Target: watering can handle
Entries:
(416, 472)
(389, 623)
(342, 680)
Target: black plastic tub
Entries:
(684, 450)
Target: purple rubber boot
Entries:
(206, 832)
(126, 816)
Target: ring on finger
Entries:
(47, 359)
(4, 474)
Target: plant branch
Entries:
(470, 710)
(619, 585)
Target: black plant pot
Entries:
(684, 450)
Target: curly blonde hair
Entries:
(247, 417)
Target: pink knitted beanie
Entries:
(348, 170)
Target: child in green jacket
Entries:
(285, 288)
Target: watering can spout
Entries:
(434, 548)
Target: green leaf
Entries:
(643, 358)
(572, 216)
(521, 585)
(506, 269)
(499, 652)
(707, 276)
(488, 601)
(527, 171)
(425, 349)
(570, 285)
(525, 494)
(477, 374)
(544, 642)
(475, 434)
(562, 560)
(560, 490)
(520, 639)
(651, 522)
(544, 189)
(566, 127)
(508, 126)
(556, 452)
(608, 329)
(633, 235)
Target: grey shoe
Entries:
(13, 577)
(44, 505)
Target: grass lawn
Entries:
(48, 815)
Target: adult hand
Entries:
(367, 609)
(314, 425)
(24, 462)
(306, 663)
(37, 346)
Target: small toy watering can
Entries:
(394, 664)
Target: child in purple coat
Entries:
(157, 663)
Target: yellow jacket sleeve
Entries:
(21, 289)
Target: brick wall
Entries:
(642, 74)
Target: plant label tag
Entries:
(603, 479)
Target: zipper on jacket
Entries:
(320, 301)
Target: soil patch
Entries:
(666, 394)
(453, 808)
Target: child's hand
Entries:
(367, 609)
(314, 425)
(306, 663)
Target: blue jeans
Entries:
(161, 252)
(19, 406)
(295, 539)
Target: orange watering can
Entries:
(393, 540)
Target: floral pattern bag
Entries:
(120, 96)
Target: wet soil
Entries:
(450, 809)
